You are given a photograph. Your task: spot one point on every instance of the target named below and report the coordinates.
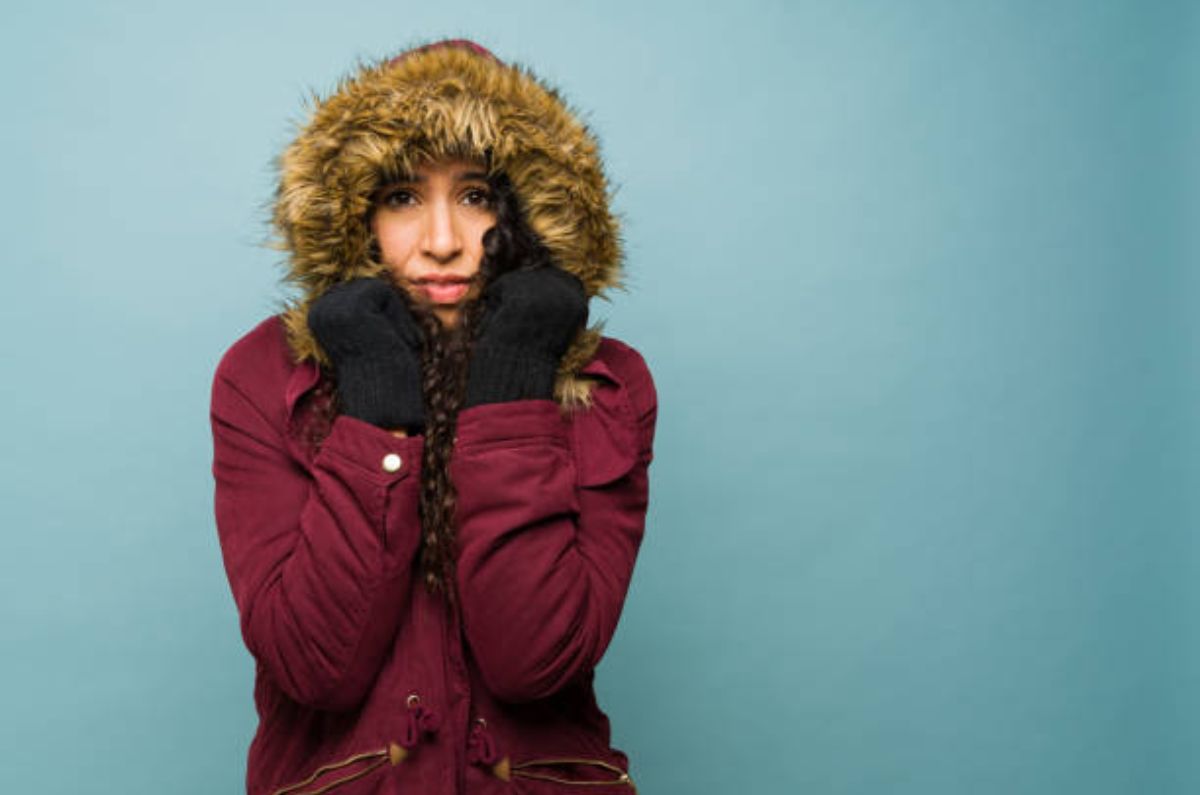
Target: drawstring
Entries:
(526, 770)
(420, 721)
(393, 753)
(482, 751)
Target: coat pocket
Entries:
(335, 775)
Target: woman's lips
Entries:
(448, 292)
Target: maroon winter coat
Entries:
(368, 683)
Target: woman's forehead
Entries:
(459, 169)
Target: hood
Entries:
(451, 99)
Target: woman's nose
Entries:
(442, 240)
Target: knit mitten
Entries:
(529, 320)
(374, 343)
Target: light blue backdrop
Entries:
(918, 285)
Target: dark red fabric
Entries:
(353, 656)
(465, 44)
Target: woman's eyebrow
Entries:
(469, 175)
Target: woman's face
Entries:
(430, 230)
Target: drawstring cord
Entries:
(420, 721)
(393, 753)
(482, 751)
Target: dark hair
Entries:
(445, 357)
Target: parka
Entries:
(366, 681)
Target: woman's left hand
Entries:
(529, 319)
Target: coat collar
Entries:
(303, 378)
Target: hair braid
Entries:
(445, 358)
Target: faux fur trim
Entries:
(444, 102)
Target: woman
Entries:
(431, 476)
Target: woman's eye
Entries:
(397, 197)
(479, 197)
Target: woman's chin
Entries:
(449, 317)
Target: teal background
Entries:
(918, 285)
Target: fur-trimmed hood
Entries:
(446, 100)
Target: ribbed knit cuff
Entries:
(382, 391)
(500, 375)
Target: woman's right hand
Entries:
(374, 343)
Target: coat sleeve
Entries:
(319, 552)
(551, 515)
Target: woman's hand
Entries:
(374, 343)
(529, 320)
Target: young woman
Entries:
(431, 475)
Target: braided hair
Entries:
(445, 359)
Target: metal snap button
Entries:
(392, 462)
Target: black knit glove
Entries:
(375, 345)
(529, 320)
